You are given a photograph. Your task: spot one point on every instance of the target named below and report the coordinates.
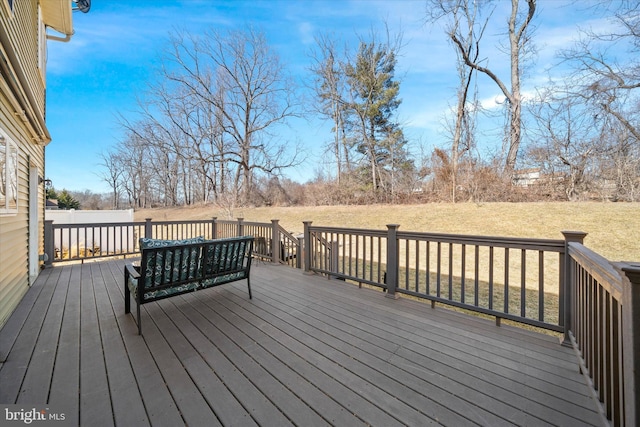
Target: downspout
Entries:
(64, 39)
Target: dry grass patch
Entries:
(613, 228)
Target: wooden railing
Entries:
(284, 248)
(509, 278)
(559, 285)
(66, 242)
(603, 326)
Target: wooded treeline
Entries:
(212, 127)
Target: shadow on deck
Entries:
(304, 351)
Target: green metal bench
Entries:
(175, 267)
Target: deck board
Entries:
(95, 399)
(161, 409)
(14, 370)
(128, 407)
(304, 351)
(374, 365)
(42, 360)
(437, 387)
(63, 392)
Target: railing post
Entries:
(300, 253)
(631, 342)
(566, 284)
(214, 227)
(148, 229)
(275, 242)
(392, 260)
(306, 248)
(49, 243)
(334, 259)
(240, 227)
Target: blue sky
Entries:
(106, 65)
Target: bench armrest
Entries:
(133, 270)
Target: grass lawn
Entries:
(613, 228)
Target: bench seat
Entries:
(174, 267)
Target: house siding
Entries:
(14, 227)
(22, 28)
(22, 88)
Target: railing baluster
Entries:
(417, 267)
(406, 264)
(591, 329)
(541, 316)
(428, 267)
(463, 268)
(439, 269)
(523, 282)
(491, 260)
(450, 281)
(357, 266)
(607, 353)
(506, 280)
(380, 279)
(476, 278)
(617, 365)
(68, 246)
(85, 242)
(371, 259)
(346, 262)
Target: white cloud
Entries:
(307, 32)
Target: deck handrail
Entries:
(82, 241)
(499, 273)
(284, 249)
(604, 328)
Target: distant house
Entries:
(23, 137)
(526, 177)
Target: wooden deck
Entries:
(304, 351)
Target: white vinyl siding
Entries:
(21, 89)
(7, 5)
(14, 268)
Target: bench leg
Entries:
(249, 286)
(127, 300)
(127, 293)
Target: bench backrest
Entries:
(203, 263)
(225, 260)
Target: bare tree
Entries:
(329, 87)
(610, 82)
(463, 27)
(518, 26)
(112, 175)
(208, 124)
(606, 82)
(136, 175)
(619, 163)
(243, 80)
(567, 140)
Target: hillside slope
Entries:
(613, 228)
